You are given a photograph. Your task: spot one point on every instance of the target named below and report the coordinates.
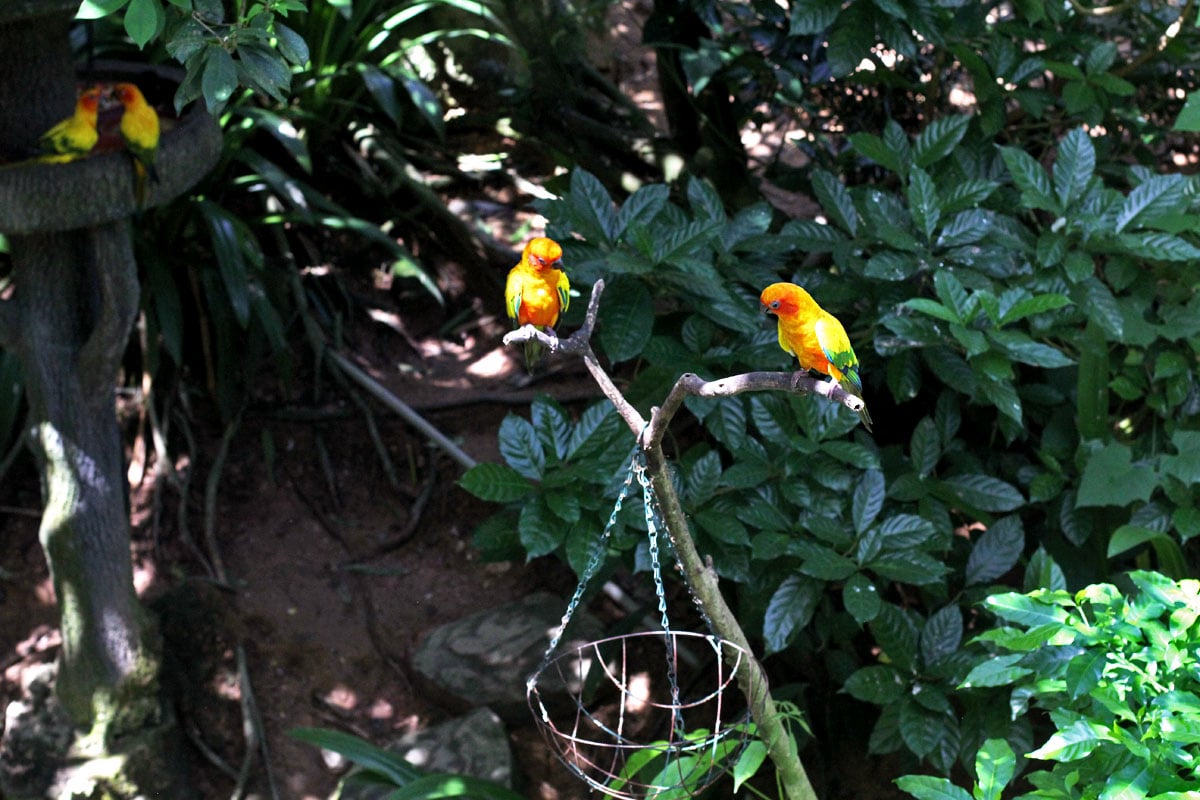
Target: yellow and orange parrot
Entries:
(537, 291)
(139, 129)
(75, 136)
(814, 337)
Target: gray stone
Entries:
(484, 659)
(475, 745)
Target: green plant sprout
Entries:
(1117, 673)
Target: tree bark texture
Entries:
(76, 295)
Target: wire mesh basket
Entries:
(635, 730)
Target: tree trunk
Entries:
(76, 295)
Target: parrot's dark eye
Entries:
(541, 262)
(775, 304)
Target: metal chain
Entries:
(594, 562)
(652, 527)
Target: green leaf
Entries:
(939, 138)
(228, 236)
(1074, 166)
(1159, 246)
(790, 609)
(706, 204)
(874, 148)
(1024, 610)
(995, 764)
(521, 448)
(1038, 304)
(920, 729)
(95, 9)
(868, 499)
(552, 425)
(878, 684)
(495, 482)
(592, 209)
(914, 567)
(1153, 197)
(642, 206)
(924, 447)
(265, 70)
(941, 635)
(1029, 177)
(923, 202)
(966, 194)
(996, 551)
(1110, 478)
(835, 200)
(1043, 572)
(984, 492)
(813, 16)
(996, 671)
(861, 598)
(1189, 116)
(896, 635)
(540, 530)
(1072, 743)
(965, 227)
(890, 265)
(391, 766)
(933, 308)
(291, 44)
(626, 319)
(143, 20)
(219, 79)
(927, 787)
(953, 295)
(1020, 347)
(824, 563)
(748, 763)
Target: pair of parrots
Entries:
(537, 292)
(76, 136)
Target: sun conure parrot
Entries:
(139, 129)
(814, 337)
(75, 136)
(537, 291)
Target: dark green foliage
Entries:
(1023, 300)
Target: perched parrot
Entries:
(75, 136)
(537, 291)
(815, 337)
(139, 129)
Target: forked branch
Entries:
(703, 580)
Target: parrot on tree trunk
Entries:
(537, 292)
(815, 338)
(139, 129)
(75, 136)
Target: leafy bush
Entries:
(1028, 335)
(1112, 670)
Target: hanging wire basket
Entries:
(631, 728)
(629, 734)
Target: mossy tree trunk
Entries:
(76, 296)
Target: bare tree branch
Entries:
(702, 579)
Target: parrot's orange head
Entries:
(783, 299)
(127, 93)
(90, 99)
(541, 253)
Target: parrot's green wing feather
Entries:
(564, 293)
(836, 346)
(512, 295)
